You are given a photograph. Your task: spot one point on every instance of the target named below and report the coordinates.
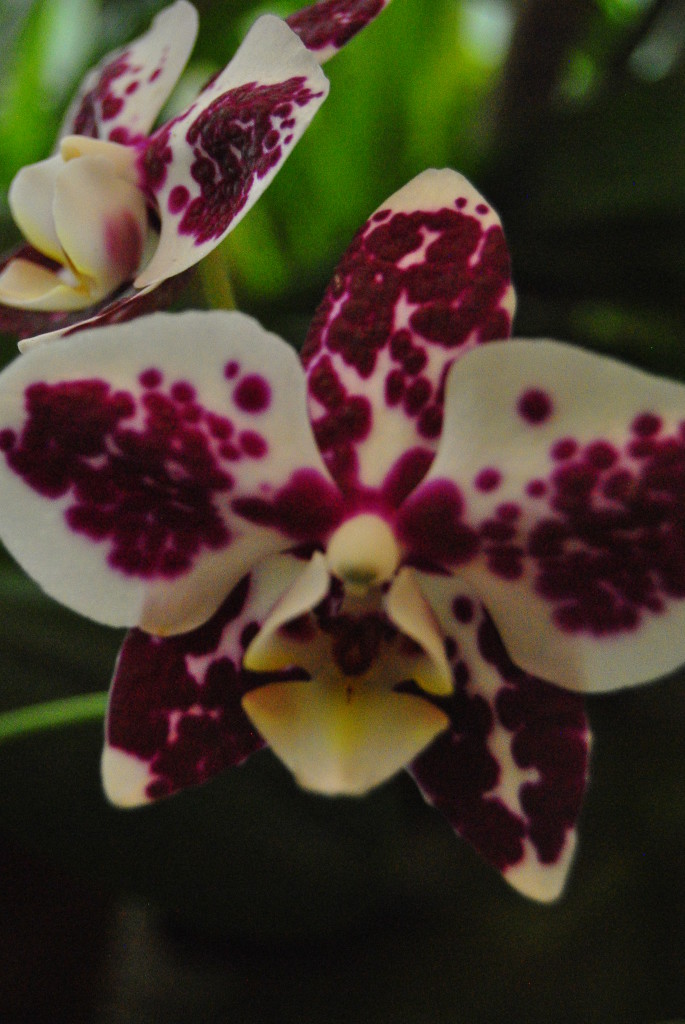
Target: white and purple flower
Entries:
(120, 209)
(414, 549)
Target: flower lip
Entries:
(363, 552)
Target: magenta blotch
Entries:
(252, 394)
(535, 406)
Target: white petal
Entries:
(123, 95)
(425, 280)
(227, 147)
(127, 450)
(570, 470)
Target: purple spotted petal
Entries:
(562, 475)
(127, 305)
(205, 169)
(175, 717)
(127, 451)
(120, 99)
(510, 773)
(326, 27)
(425, 280)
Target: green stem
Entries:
(215, 281)
(53, 714)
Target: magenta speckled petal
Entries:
(38, 328)
(425, 280)
(205, 169)
(510, 773)
(562, 474)
(326, 27)
(175, 717)
(127, 450)
(121, 98)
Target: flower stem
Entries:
(52, 714)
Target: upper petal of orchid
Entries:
(121, 98)
(174, 718)
(425, 280)
(565, 472)
(510, 772)
(127, 451)
(206, 168)
(30, 199)
(326, 27)
(101, 221)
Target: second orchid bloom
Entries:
(119, 208)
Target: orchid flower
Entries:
(414, 548)
(118, 210)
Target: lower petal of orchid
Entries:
(102, 223)
(174, 718)
(568, 471)
(30, 200)
(28, 285)
(338, 740)
(510, 772)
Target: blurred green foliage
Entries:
(570, 117)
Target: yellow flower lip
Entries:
(363, 552)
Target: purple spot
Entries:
(482, 209)
(182, 391)
(231, 370)
(536, 488)
(252, 394)
(534, 406)
(488, 479)
(178, 198)
(150, 378)
(646, 424)
(564, 448)
(601, 454)
(252, 444)
(462, 609)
